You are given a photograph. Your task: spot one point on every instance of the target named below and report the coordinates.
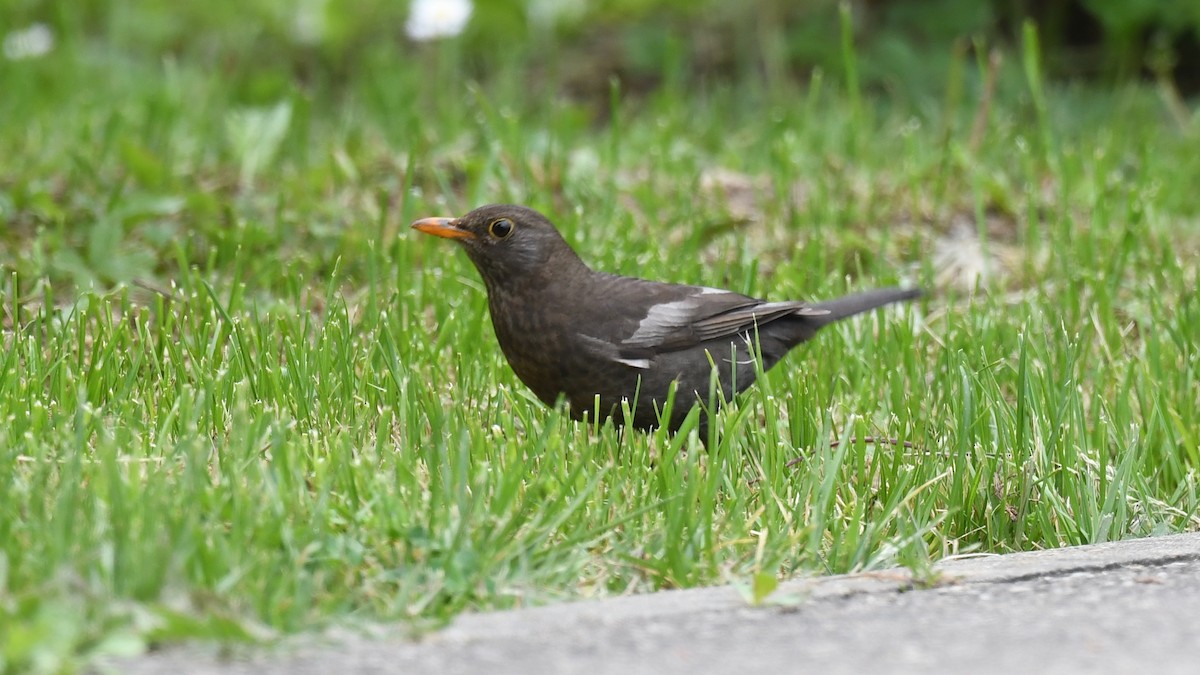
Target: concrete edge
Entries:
(648, 609)
(1151, 551)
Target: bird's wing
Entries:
(684, 323)
(690, 315)
(638, 359)
(746, 319)
(636, 319)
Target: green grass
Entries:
(240, 399)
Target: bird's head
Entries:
(511, 246)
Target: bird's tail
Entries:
(840, 308)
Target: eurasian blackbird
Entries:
(597, 339)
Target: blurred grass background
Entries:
(240, 401)
(146, 95)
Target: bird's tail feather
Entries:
(840, 308)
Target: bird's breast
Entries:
(534, 342)
(544, 345)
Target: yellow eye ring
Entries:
(501, 228)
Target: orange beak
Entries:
(442, 227)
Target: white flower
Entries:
(35, 41)
(309, 21)
(431, 19)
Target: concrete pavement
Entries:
(1124, 607)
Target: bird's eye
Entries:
(501, 228)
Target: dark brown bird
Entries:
(597, 339)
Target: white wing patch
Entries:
(607, 350)
(664, 319)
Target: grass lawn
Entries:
(239, 398)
